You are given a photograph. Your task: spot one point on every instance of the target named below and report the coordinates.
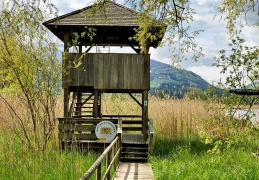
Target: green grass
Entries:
(16, 162)
(180, 151)
(181, 160)
(171, 159)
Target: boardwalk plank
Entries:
(134, 171)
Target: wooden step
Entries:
(134, 159)
(81, 116)
(83, 107)
(137, 145)
(134, 153)
(135, 148)
(84, 103)
(83, 111)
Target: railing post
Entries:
(114, 150)
(108, 160)
(151, 134)
(99, 172)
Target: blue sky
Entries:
(213, 39)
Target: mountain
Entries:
(172, 80)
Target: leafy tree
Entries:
(235, 13)
(172, 16)
(240, 62)
(240, 65)
(29, 71)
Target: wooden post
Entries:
(114, 150)
(96, 97)
(100, 105)
(144, 114)
(108, 161)
(99, 172)
(80, 48)
(65, 65)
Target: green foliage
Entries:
(241, 65)
(194, 93)
(29, 70)
(172, 159)
(235, 14)
(172, 17)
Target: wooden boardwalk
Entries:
(134, 171)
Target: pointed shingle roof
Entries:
(113, 22)
(107, 13)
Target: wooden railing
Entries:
(151, 134)
(111, 158)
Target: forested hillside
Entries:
(174, 81)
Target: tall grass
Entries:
(191, 142)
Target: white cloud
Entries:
(209, 73)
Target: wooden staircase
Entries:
(134, 152)
(133, 148)
(83, 106)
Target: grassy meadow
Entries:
(192, 141)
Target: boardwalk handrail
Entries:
(151, 134)
(106, 154)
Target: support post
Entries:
(80, 48)
(66, 101)
(96, 97)
(65, 87)
(108, 161)
(100, 105)
(98, 172)
(145, 114)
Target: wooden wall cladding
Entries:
(107, 71)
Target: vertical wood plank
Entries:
(90, 69)
(144, 114)
(121, 61)
(146, 73)
(99, 71)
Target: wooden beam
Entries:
(89, 48)
(136, 50)
(66, 42)
(87, 99)
(245, 92)
(135, 99)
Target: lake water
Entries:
(243, 113)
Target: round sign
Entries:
(105, 131)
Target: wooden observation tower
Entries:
(86, 76)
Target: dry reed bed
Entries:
(173, 118)
(177, 118)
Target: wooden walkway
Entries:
(134, 171)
